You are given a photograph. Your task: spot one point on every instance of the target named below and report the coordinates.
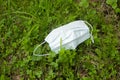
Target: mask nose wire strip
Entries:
(91, 31)
(37, 48)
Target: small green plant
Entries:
(114, 4)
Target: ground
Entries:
(24, 25)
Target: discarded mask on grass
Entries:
(68, 36)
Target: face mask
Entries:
(68, 36)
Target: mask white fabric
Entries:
(68, 36)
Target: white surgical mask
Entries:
(68, 36)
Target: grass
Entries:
(25, 24)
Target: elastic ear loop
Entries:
(91, 31)
(37, 48)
